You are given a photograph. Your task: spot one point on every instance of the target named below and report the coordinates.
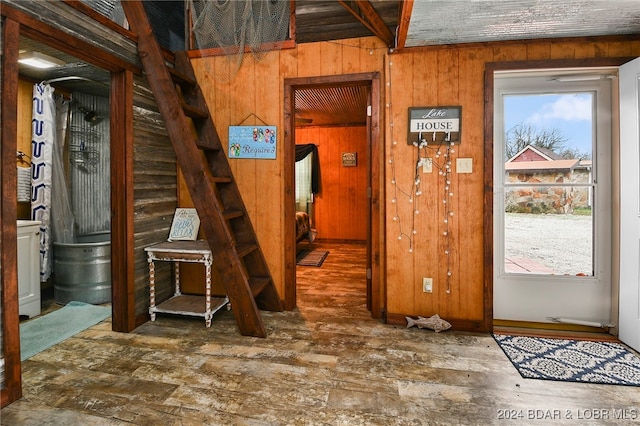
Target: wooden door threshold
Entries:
(551, 330)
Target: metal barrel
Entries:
(82, 270)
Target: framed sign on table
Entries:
(185, 225)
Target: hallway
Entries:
(327, 362)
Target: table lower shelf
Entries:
(190, 305)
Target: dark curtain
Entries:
(301, 152)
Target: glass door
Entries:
(552, 196)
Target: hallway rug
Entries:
(311, 257)
(43, 332)
(571, 360)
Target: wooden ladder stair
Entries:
(237, 256)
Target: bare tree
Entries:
(569, 153)
(523, 134)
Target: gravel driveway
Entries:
(562, 243)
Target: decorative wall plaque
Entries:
(434, 125)
(349, 159)
(257, 142)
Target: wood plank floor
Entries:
(325, 363)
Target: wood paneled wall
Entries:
(439, 76)
(155, 184)
(452, 76)
(340, 209)
(25, 114)
(257, 88)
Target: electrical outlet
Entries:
(427, 165)
(427, 285)
(464, 165)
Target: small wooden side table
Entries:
(183, 304)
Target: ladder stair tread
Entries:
(244, 249)
(232, 214)
(194, 112)
(182, 79)
(221, 179)
(258, 284)
(207, 144)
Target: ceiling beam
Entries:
(403, 23)
(365, 13)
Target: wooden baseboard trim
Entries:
(552, 330)
(456, 323)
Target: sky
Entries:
(569, 113)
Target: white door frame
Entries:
(525, 297)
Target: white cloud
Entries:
(575, 107)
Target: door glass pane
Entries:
(549, 185)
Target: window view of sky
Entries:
(570, 113)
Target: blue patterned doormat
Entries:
(571, 360)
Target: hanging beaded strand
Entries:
(413, 191)
(448, 212)
(442, 161)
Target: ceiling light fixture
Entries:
(39, 60)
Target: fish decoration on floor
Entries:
(434, 323)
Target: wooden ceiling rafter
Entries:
(406, 7)
(364, 12)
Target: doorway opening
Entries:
(345, 208)
(70, 157)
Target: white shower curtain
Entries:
(50, 202)
(42, 142)
(62, 220)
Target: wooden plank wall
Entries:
(257, 88)
(441, 76)
(436, 78)
(155, 184)
(340, 208)
(25, 113)
(453, 76)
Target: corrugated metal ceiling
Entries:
(344, 105)
(438, 22)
